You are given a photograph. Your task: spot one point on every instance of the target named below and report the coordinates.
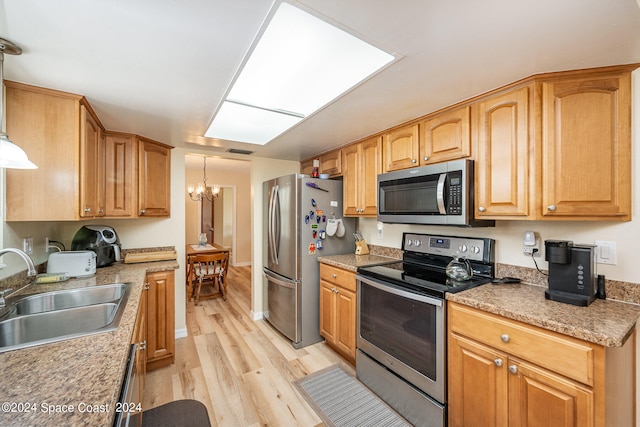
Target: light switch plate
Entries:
(606, 252)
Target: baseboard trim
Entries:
(181, 333)
(257, 316)
(242, 264)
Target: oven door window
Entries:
(411, 196)
(402, 327)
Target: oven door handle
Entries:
(440, 194)
(400, 292)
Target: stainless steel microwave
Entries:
(439, 194)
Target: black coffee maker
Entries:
(572, 272)
(100, 239)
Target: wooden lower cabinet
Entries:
(506, 373)
(160, 319)
(140, 364)
(338, 309)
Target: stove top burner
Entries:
(424, 261)
(420, 278)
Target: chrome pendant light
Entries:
(11, 156)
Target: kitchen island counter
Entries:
(605, 322)
(76, 381)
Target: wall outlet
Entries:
(606, 252)
(27, 245)
(531, 244)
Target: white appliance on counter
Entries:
(302, 221)
(73, 263)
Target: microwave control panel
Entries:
(454, 192)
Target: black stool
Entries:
(179, 413)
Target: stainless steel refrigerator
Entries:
(302, 219)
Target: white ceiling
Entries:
(159, 68)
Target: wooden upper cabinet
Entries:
(586, 141)
(401, 148)
(331, 163)
(91, 166)
(121, 192)
(154, 178)
(83, 172)
(51, 126)
(306, 167)
(446, 136)
(502, 165)
(362, 162)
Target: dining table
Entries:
(196, 249)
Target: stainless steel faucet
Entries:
(31, 269)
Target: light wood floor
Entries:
(239, 368)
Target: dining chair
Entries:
(210, 269)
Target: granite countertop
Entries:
(351, 262)
(605, 322)
(77, 381)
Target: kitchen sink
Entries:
(59, 300)
(61, 315)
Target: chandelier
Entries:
(201, 190)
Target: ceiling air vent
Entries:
(238, 151)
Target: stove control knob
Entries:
(462, 248)
(475, 249)
(417, 243)
(409, 242)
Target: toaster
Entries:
(73, 263)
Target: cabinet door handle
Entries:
(513, 369)
(143, 345)
(552, 208)
(87, 210)
(143, 211)
(414, 161)
(425, 158)
(505, 338)
(482, 209)
(498, 362)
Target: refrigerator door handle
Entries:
(290, 285)
(272, 224)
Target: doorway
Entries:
(228, 215)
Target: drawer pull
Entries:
(335, 276)
(498, 362)
(505, 338)
(513, 369)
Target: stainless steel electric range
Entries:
(402, 322)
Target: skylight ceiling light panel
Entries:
(299, 65)
(302, 63)
(236, 122)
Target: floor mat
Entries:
(343, 401)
